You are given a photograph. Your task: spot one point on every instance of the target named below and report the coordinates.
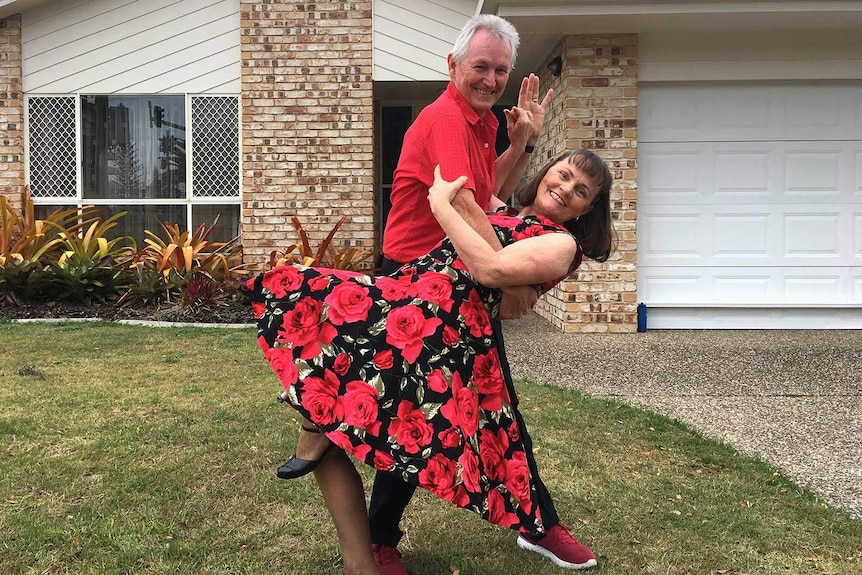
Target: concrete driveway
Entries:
(791, 398)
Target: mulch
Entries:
(110, 311)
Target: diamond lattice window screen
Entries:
(53, 154)
(215, 146)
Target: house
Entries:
(734, 130)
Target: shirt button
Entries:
(486, 144)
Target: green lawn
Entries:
(152, 450)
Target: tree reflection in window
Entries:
(133, 147)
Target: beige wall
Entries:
(307, 113)
(595, 107)
(11, 111)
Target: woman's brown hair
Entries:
(593, 230)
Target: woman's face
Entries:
(565, 192)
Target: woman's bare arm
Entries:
(530, 261)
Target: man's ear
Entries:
(451, 63)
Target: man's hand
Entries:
(517, 301)
(528, 100)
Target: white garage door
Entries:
(750, 205)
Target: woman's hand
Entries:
(519, 125)
(443, 192)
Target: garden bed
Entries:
(109, 311)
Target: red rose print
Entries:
(282, 280)
(410, 428)
(449, 437)
(514, 433)
(505, 221)
(340, 439)
(461, 498)
(343, 441)
(394, 289)
(467, 403)
(529, 232)
(467, 406)
(383, 359)
(257, 309)
(488, 377)
(440, 477)
(358, 406)
(475, 315)
(518, 479)
(450, 411)
(348, 302)
(343, 275)
(492, 450)
(435, 288)
(302, 327)
(437, 381)
(360, 451)
(318, 283)
(383, 461)
(318, 397)
(469, 470)
(451, 337)
(341, 364)
(497, 513)
(281, 360)
(405, 328)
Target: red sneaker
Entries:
(558, 545)
(388, 560)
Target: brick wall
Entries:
(595, 107)
(11, 111)
(307, 113)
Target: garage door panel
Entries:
(753, 172)
(787, 286)
(745, 173)
(750, 235)
(754, 318)
(765, 112)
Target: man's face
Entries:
(482, 75)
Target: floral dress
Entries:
(403, 372)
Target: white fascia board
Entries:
(614, 8)
(9, 7)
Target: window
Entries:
(159, 157)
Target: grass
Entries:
(152, 450)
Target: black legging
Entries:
(390, 495)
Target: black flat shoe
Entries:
(296, 467)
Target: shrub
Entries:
(29, 246)
(186, 270)
(92, 267)
(326, 254)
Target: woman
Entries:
(402, 371)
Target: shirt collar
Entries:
(469, 113)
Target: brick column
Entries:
(307, 113)
(11, 111)
(595, 107)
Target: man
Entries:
(458, 132)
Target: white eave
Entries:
(542, 23)
(10, 7)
